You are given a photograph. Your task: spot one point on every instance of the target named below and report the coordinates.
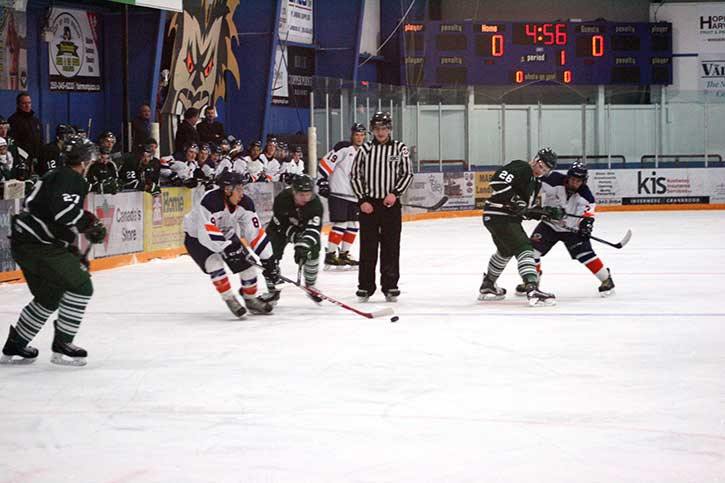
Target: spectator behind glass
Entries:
(25, 128)
(186, 135)
(210, 130)
(141, 126)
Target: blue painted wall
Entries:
(104, 108)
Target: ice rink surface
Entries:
(625, 389)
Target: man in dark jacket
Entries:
(25, 128)
(210, 130)
(141, 127)
(187, 135)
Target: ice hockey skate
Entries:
(261, 305)
(606, 289)
(490, 291)
(362, 295)
(235, 307)
(333, 262)
(16, 351)
(537, 298)
(347, 261)
(68, 354)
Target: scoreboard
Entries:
(437, 53)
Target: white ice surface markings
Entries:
(628, 388)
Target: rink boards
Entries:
(143, 227)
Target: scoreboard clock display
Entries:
(503, 53)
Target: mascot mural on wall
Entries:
(202, 55)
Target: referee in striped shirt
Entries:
(381, 172)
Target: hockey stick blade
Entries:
(619, 245)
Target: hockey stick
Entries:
(617, 245)
(316, 293)
(433, 207)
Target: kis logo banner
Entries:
(651, 185)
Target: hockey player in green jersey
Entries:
(296, 219)
(515, 187)
(56, 273)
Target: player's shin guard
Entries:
(256, 305)
(309, 271)
(70, 315)
(350, 234)
(527, 266)
(337, 233)
(31, 320)
(221, 283)
(496, 266)
(596, 266)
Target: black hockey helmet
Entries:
(80, 131)
(78, 150)
(3, 121)
(216, 149)
(302, 183)
(271, 138)
(578, 170)
(106, 135)
(548, 157)
(63, 132)
(205, 148)
(192, 146)
(298, 149)
(230, 178)
(381, 119)
(255, 144)
(357, 127)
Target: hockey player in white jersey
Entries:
(334, 183)
(212, 238)
(294, 166)
(571, 193)
(255, 165)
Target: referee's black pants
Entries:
(381, 229)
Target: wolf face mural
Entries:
(202, 54)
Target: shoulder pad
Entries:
(586, 193)
(247, 203)
(340, 145)
(554, 179)
(213, 200)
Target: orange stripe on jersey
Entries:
(325, 167)
(212, 228)
(258, 238)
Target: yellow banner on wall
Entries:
(164, 217)
(483, 188)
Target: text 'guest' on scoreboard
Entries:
(439, 53)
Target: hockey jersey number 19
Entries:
(336, 166)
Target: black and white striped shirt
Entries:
(380, 169)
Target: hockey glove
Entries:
(323, 187)
(586, 226)
(517, 206)
(96, 232)
(302, 253)
(271, 271)
(553, 213)
(235, 252)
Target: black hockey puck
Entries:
(394, 318)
